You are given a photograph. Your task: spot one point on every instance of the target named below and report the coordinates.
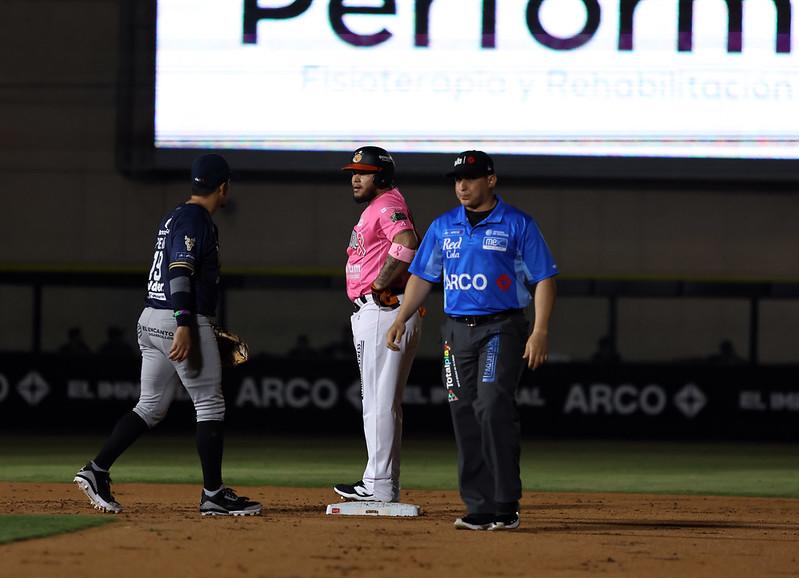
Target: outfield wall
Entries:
(310, 396)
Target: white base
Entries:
(373, 509)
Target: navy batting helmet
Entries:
(373, 160)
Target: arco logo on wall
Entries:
(627, 399)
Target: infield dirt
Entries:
(161, 534)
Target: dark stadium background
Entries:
(693, 283)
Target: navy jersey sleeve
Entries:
(428, 263)
(187, 239)
(185, 251)
(536, 259)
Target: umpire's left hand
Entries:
(536, 350)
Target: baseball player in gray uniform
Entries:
(178, 345)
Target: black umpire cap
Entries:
(209, 171)
(472, 165)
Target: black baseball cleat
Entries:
(475, 522)
(356, 491)
(505, 522)
(226, 503)
(97, 487)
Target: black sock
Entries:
(210, 443)
(128, 429)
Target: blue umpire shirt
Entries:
(486, 269)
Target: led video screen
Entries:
(576, 79)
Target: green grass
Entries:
(14, 528)
(768, 470)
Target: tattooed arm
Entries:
(393, 268)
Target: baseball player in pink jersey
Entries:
(381, 248)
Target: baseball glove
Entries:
(384, 298)
(232, 348)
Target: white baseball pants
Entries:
(384, 374)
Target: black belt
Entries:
(475, 320)
(360, 302)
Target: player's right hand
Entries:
(181, 344)
(395, 333)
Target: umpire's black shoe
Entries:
(356, 491)
(475, 522)
(505, 522)
(226, 503)
(97, 487)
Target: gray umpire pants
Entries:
(200, 373)
(481, 371)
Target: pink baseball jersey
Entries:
(371, 239)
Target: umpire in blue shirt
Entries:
(493, 261)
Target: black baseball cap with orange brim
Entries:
(370, 159)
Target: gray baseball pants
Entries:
(200, 374)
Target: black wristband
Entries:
(183, 317)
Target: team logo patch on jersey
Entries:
(398, 216)
(190, 242)
(357, 243)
